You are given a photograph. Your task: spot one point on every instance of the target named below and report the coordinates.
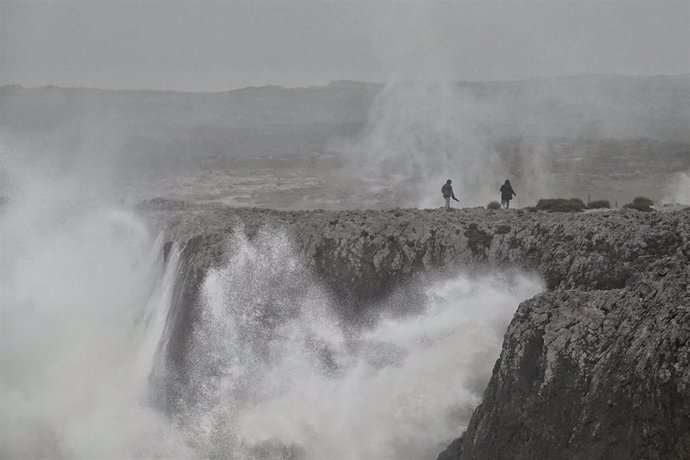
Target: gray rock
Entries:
(597, 367)
(598, 374)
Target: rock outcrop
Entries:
(596, 373)
(599, 374)
(364, 254)
(596, 367)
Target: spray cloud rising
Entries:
(85, 294)
(678, 190)
(274, 372)
(277, 375)
(423, 129)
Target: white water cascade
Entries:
(275, 373)
(278, 376)
(85, 294)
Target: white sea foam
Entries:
(84, 299)
(278, 376)
(273, 371)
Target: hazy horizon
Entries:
(190, 269)
(364, 82)
(217, 46)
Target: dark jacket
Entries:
(447, 191)
(507, 192)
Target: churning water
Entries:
(280, 375)
(84, 297)
(275, 374)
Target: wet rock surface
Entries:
(364, 254)
(598, 374)
(596, 367)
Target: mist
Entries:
(450, 91)
(679, 189)
(276, 373)
(294, 106)
(85, 292)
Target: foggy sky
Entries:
(211, 46)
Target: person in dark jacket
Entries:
(447, 192)
(507, 194)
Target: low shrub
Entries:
(560, 205)
(598, 204)
(493, 205)
(640, 203)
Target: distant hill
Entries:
(153, 126)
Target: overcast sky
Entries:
(210, 46)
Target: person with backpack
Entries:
(507, 194)
(447, 192)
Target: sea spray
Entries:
(276, 374)
(84, 296)
(419, 134)
(678, 189)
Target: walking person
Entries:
(507, 194)
(447, 192)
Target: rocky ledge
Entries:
(595, 375)
(596, 367)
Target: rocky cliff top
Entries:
(596, 367)
(367, 252)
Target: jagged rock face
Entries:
(368, 253)
(599, 374)
(594, 374)
(597, 367)
(365, 254)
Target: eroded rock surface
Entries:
(366, 253)
(598, 374)
(596, 367)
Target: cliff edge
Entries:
(595, 367)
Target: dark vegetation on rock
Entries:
(493, 205)
(560, 205)
(641, 203)
(599, 204)
(596, 367)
